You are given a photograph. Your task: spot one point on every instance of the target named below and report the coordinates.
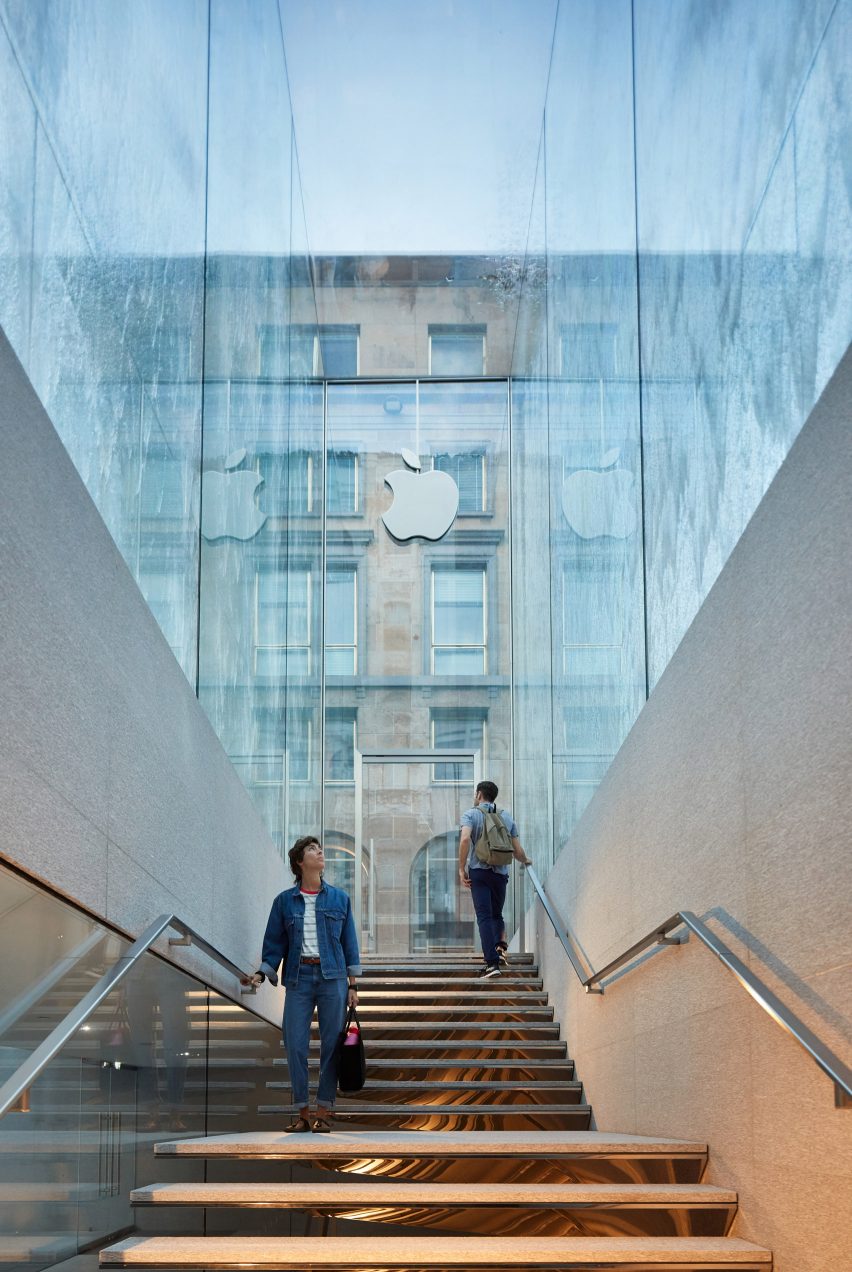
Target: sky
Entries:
(417, 121)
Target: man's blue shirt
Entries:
(476, 822)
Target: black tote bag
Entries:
(351, 1064)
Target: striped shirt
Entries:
(310, 945)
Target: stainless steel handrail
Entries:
(24, 1076)
(831, 1065)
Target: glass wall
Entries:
(163, 1056)
(697, 298)
(261, 496)
(154, 266)
(745, 240)
(235, 402)
(417, 605)
(103, 139)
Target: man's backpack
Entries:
(494, 845)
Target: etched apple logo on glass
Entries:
(228, 506)
(600, 501)
(424, 504)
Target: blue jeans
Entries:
(488, 891)
(329, 998)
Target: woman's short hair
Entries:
(297, 852)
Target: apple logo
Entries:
(424, 504)
(599, 502)
(228, 508)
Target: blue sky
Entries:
(417, 121)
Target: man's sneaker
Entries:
(502, 957)
(492, 969)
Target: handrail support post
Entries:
(180, 940)
(682, 939)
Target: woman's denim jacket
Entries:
(336, 937)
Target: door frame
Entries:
(386, 755)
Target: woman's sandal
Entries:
(300, 1125)
(322, 1125)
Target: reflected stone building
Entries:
(524, 635)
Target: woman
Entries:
(312, 931)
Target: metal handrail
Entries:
(831, 1065)
(24, 1076)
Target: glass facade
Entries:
(609, 400)
(147, 1063)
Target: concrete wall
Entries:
(731, 797)
(113, 786)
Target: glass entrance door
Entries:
(408, 808)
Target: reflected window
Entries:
(341, 620)
(339, 344)
(438, 919)
(468, 472)
(172, 354)
(288, 481)
(341, 492)
(282, 644)
(304, 350)
(457, 729)
(274, 347)
(591, 738)
(164, 488)
(267, 764)
(589, 351)
(458, 620)
(331, 350)
(456, 349)
(299, 745)
(340, 742)
(592, 623)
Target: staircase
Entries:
(469, 1147)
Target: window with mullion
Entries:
(282, 640)
(340, 736)
(458, 620)
(456, 730)
(341, 621)
(341, 493)
(339, 346)
(468, 472)
(592, 624)
(456, 349)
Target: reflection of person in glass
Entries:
(312, 931)
(162, 1071)
(487, 883)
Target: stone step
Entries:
(470, 955)
(447, 970)
(543, 1072)
(436, 1030)
(39, 1192)
(352, 1111)
(499, 994)
(451, 1012)
(436, 1252)
(467, 1156)
(392, 1048)
(508, 983)
(539, 1209)
(38, 1248)
(381, 1089)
